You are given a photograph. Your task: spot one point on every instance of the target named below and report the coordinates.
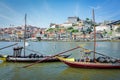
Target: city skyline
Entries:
(43, 12)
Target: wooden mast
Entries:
(94, 35)
(25, 33)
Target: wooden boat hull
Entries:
(90, 64)
(12, 59)
(28, 59)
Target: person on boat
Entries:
(87, 54)
(87, 59)
(17, 51)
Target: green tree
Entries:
(87, 19)
(70, 28)
(50, 30)
(89, 30)
(74, 30)
(104, 32)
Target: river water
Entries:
(58, 70)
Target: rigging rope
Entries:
(51, 57)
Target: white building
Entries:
(73, 19)
(102, 28)
(67, 25)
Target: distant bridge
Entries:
(114, 23)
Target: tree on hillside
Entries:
(50, 30)
(104, 32)
(89, 30)
(74, 31)
(70, 28)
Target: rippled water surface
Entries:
(58, 70)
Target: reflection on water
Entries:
(42, 71)
(90, 74)
(54, 71)
(58, 70)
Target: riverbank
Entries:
(68, 40)
(82, 40)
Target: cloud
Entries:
(5, 17)
(6, 8)
(8, 15)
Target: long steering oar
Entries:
(51, 57)
(8, 46)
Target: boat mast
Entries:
(94, 35)
(25, 33)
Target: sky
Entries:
(41, 13)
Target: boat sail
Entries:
(105, 62)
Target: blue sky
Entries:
(43, 12)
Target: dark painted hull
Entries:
(27, 59)
(30, 59)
